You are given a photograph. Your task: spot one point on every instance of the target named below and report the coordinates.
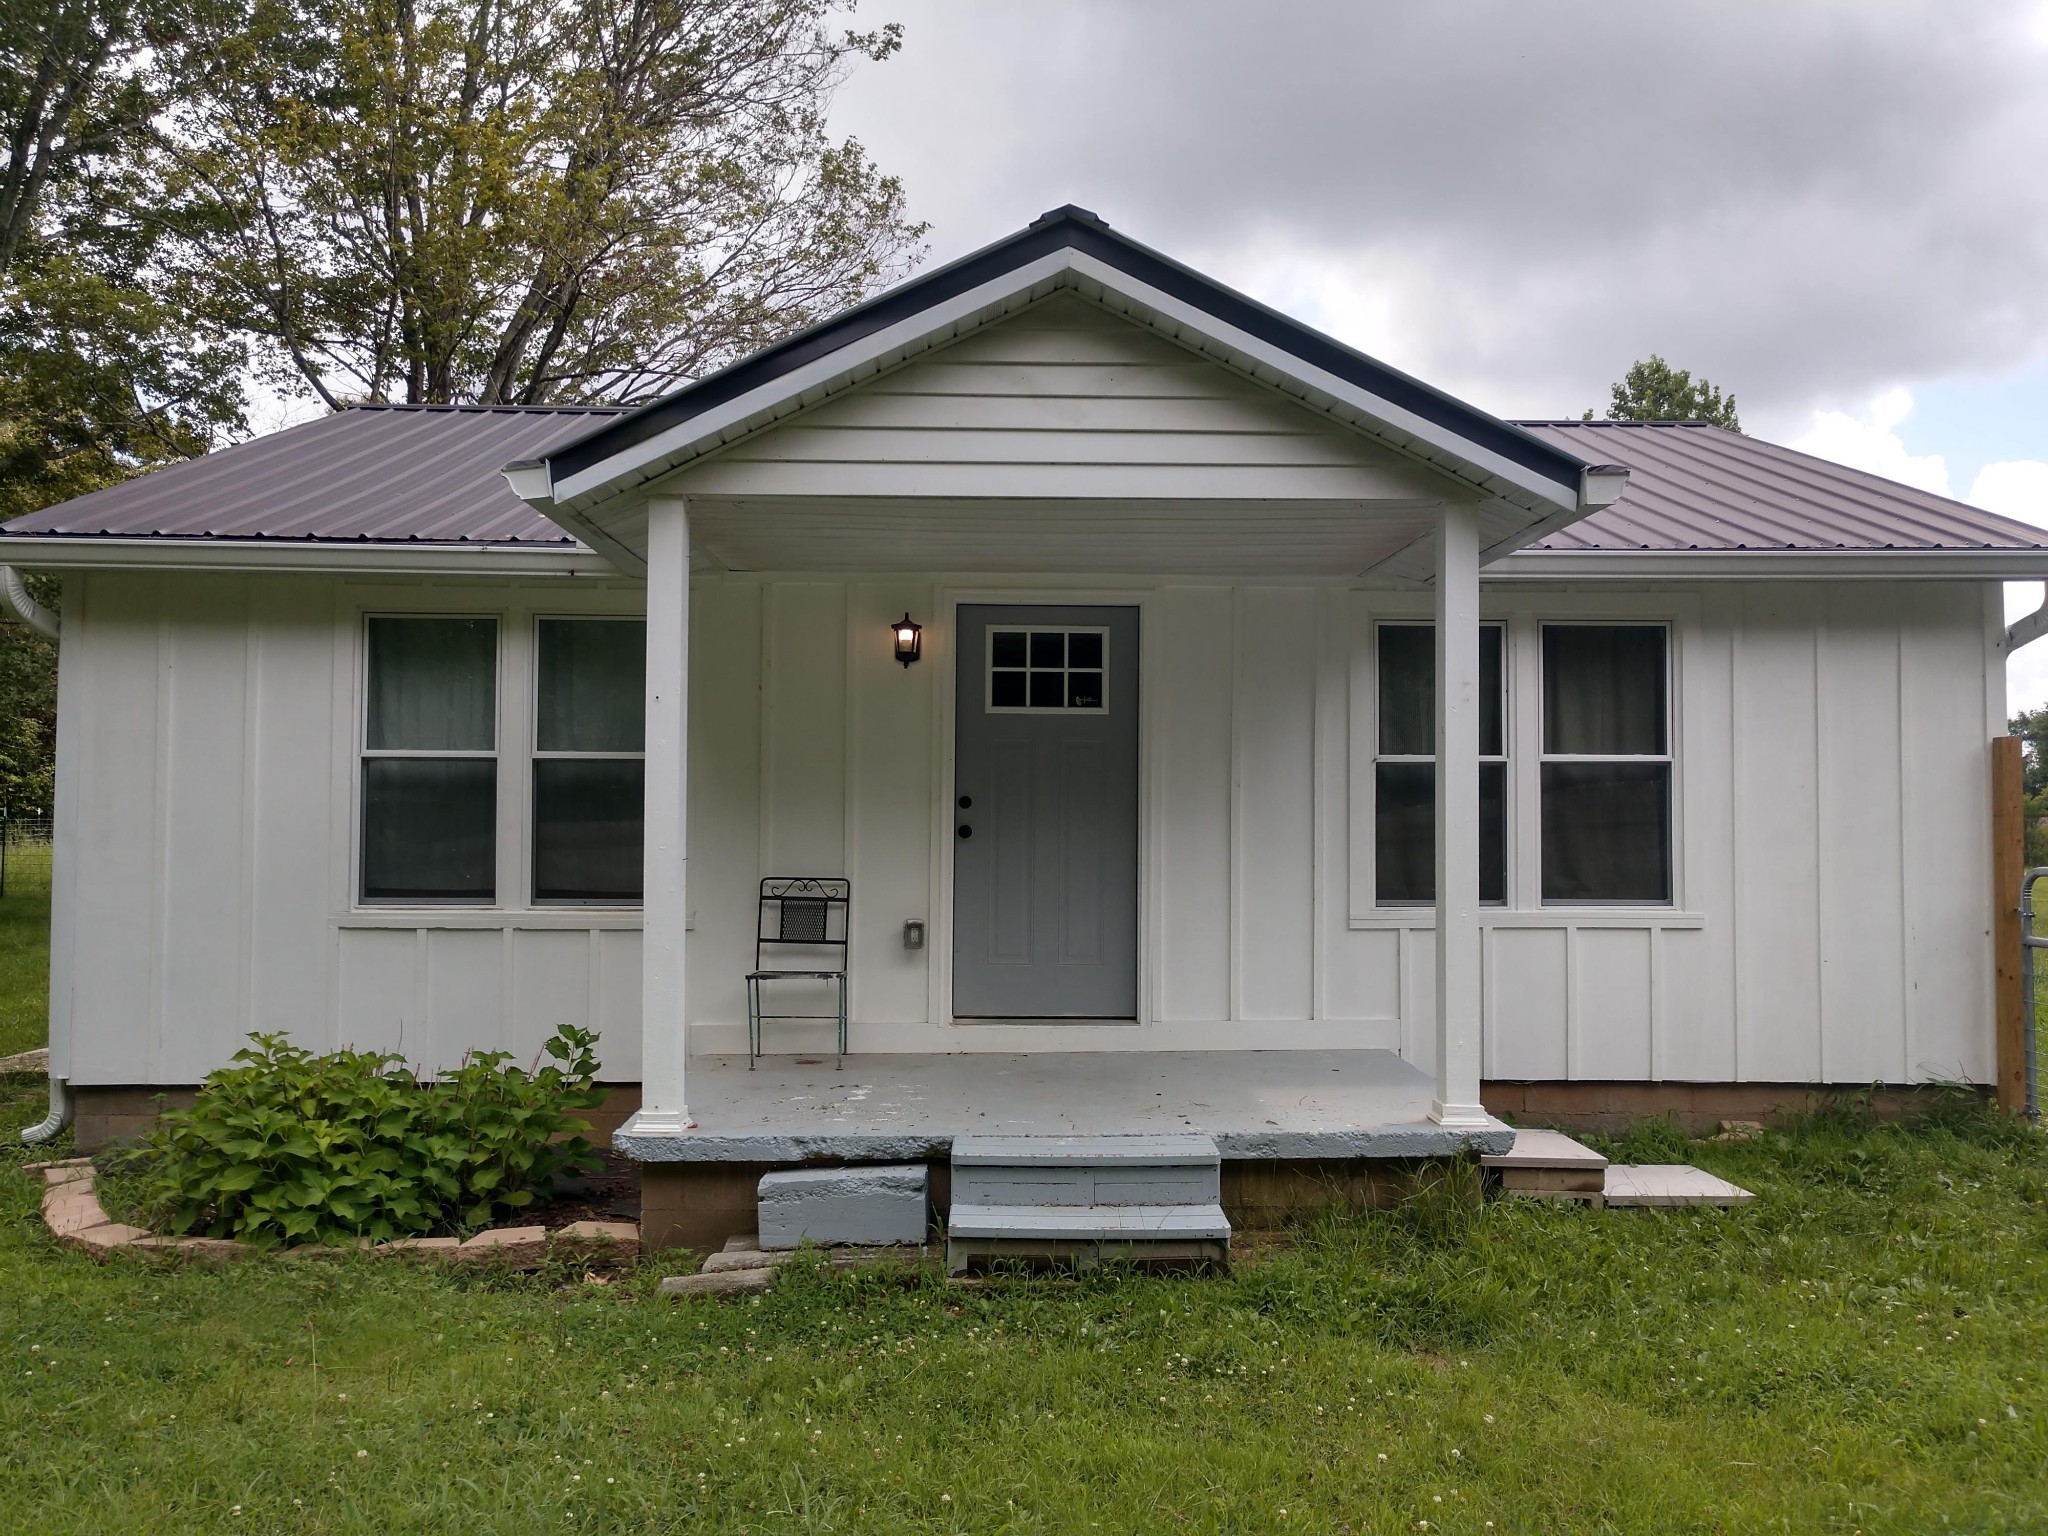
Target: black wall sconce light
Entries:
(909, 639)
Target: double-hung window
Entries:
(589, 767)
(430, 761)
(1606, 767)
(1404, 768)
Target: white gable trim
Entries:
(805, 386)
(575, 495)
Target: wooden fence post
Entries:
(2008, 863)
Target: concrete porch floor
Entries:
(1258, 1105)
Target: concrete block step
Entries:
(1670, 1184)
(1098, 1223)
(1171, 1148)
(876, 1206)
(1549, 1164)
(1087, 1234)
(1086, 1171)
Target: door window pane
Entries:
(432, 685)
(429, 829)
(593, 685)
(587, 828)
(1408, 691)
(1606, 832)
(1047, 669)
(1603, 690)
(1404, 807)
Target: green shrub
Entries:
(287, 1146)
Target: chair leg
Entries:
(842, 1025)
(753, 1021)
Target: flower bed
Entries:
(72, 1212)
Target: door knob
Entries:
(966, 831)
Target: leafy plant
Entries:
(288, 1146)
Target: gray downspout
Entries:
(15, 597)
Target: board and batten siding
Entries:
(1832, 836)
(205, 817)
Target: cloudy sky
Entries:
(1838, 210)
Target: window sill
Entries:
(1537, 917)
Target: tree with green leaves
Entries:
(525, 200)
(104, 369)
(1652, 390)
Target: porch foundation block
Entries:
(701, 1206)
(865, 1207)
(1698, 1109)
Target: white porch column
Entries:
(664, 1009)
(1457, 818)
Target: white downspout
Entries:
(14, 592)
(14, 595)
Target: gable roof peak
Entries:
(1071, 213)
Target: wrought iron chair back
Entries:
(800, 934)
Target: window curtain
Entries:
(1603, 689)
(432, 685)
(593, 686)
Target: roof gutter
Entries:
(1771, 565)
(533, 482)
(85, 552)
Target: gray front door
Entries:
(1045, 814)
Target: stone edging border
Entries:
(71, 1210)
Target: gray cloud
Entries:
(1515, 198)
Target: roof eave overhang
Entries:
(1771, 565)
(85, 552)
(576, 479)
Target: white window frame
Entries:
(535, 754)
(1668, 757)
(988, 670)
(365, 752)
(1505, 757)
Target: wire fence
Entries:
(24, 853)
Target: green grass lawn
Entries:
(1864, 1349)
(25, 950)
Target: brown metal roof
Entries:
(377, 473)
(432, 474)
(1692, 486)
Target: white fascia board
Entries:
(653, 456)
(73, 552)
(1772, 565)
(1379, 410)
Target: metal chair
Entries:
(799, 934)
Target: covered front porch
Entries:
(1064, 439)
(1296, 1130)
(908, 1106)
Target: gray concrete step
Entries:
(1000, 1171)
(874, 1206)
(1084, 1198)
(1549, 1165)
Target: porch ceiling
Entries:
(1150, 537)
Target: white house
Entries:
(396, 728)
